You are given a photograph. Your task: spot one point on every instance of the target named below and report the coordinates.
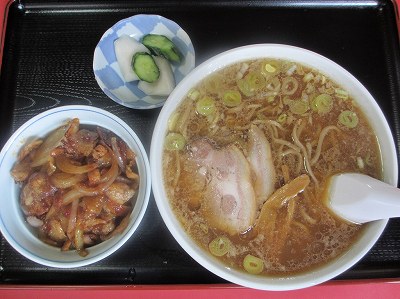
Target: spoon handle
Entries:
(360, 198)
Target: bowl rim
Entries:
(302, 280)
(110, 246)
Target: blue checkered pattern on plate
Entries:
(105, 65)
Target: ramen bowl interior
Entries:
(13, 224)
(372, 112)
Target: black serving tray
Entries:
(47, 62)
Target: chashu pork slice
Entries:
(262, 165)
(229, 202)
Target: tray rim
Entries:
(368, 288)
(4, 8)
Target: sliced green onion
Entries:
(341, 94)
(322, 103)
(360, 163)
(256, 80)
(245, 88)
(282, 118)
(286, 101)
(252, 264)
(206, 106)
(251, 83)
(232, 98)
(274, 84)
(298, 107)
(289, 85)
(172, 121)
(219, 246)
(193, 94)
(175, 142)
(349, 119)
(269, 68)
(308, 77)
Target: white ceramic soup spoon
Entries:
(360, 198)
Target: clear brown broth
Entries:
(314, 236)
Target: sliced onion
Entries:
(33, 221)
(66, 165)
(118, 154)
(79, 242)
(121, 227)
(51, 142)
(112, 173)
(104, 135)
(72, 195)
(24, 210)
(66, 246)
(62, 180)
(74, 127)
(105, 181)
(53, 209)
(72, 219)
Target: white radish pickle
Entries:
(165, 83)
(125, 48)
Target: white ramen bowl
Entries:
(13, 225)
(340, 76)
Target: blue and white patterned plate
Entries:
(105, 65)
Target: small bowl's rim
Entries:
(111, 245)
(316, 276)
(159, 102)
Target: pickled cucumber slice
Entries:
(162, 46)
